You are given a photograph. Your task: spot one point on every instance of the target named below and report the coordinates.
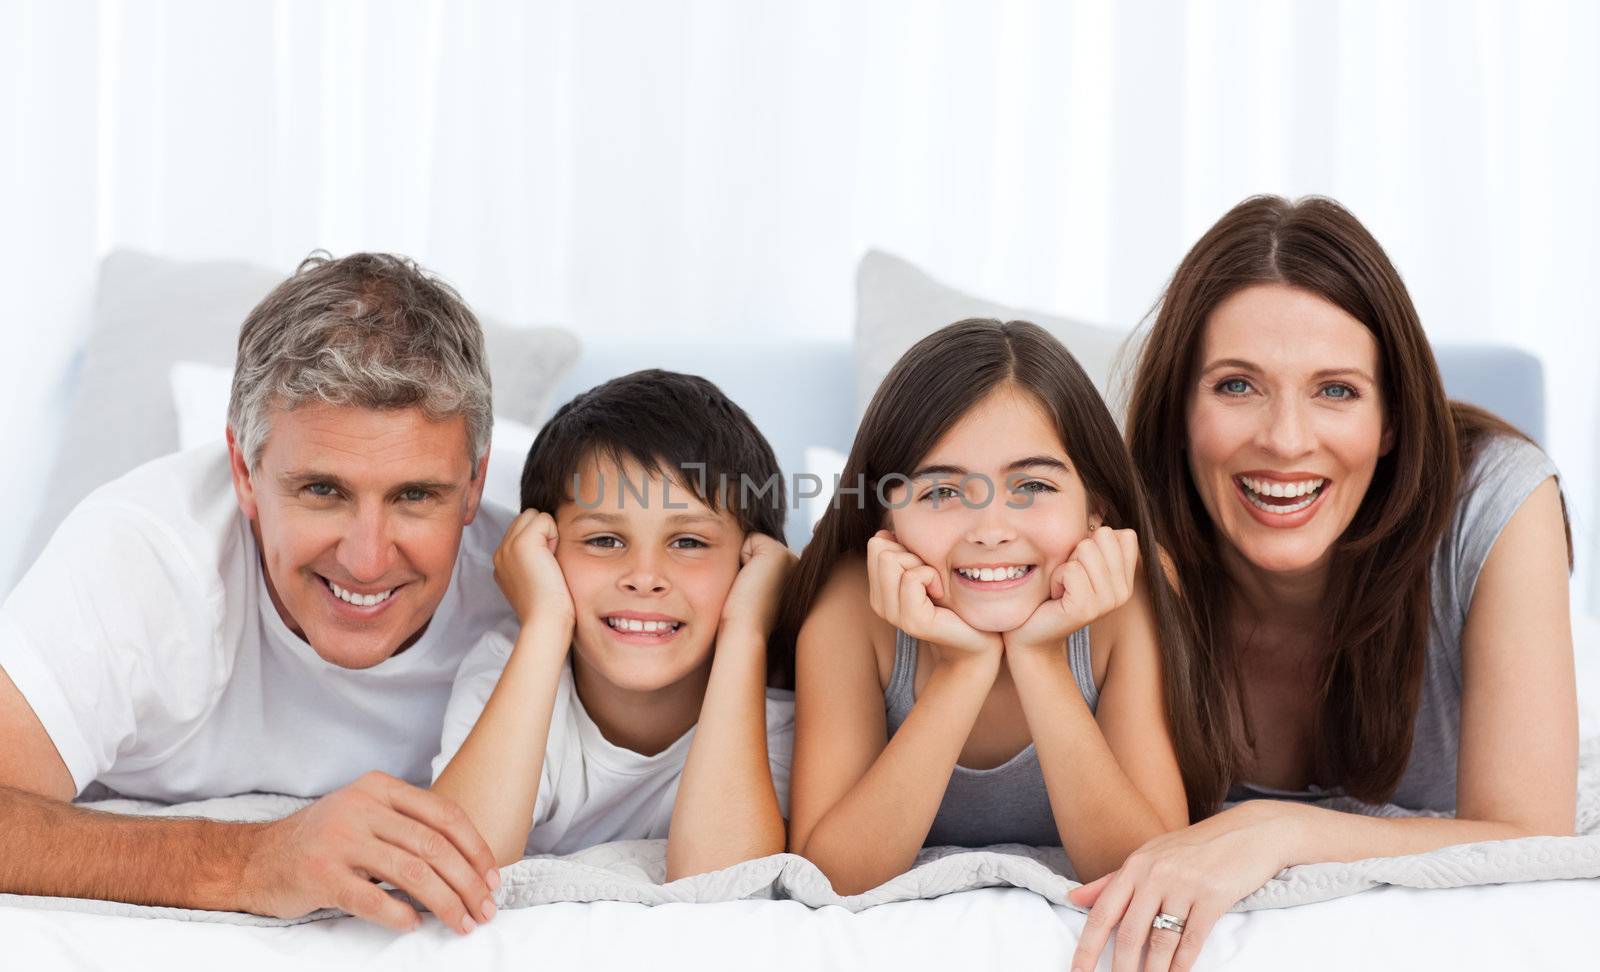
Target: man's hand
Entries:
(378, 827)
(752, 602)
(1096, 580)
(525, 568)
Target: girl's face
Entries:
(996, 506)
(1285, 424)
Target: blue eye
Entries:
(1345, 392)
(416, 495)
(1233, 386)
(321, 490)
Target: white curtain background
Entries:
(700, 167)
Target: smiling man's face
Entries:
(358, 514)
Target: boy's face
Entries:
(644, 554)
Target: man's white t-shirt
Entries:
(146, 642)
(590, 790)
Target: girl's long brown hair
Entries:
(931, 387)
(1376, 624)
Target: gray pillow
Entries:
(150, 312)
(897, 304)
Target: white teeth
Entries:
(991, 573)
(1278, 507)
(650, 627)
(359, 600)
(1264, 487)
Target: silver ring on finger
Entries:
(1166, 922)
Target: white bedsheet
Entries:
(1522, 926)
(1536, 925)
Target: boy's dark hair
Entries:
(675, 425)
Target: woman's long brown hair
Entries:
(929, 389)
(1376, 625)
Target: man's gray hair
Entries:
(371, 330)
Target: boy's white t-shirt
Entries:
(146, 643)
(590, 790)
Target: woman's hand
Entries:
(1096, 580)
(525, 568)
(752, 602)
(1195, 875)
(902, 590)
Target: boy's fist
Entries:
(525, 568)
(752, 602)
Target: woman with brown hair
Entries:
(1376, 578)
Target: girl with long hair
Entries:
(985, 653)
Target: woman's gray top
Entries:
(1003, 805)
(1502, 476)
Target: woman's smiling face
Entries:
(996, 506)
(1285, 424)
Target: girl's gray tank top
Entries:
(1003, 805)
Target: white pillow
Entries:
(200, 396)
(898, 304)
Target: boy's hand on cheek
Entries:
(752, 602)
(1096, 580)
(525, 568)
(902, 590)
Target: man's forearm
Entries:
(48, 847)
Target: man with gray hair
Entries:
(285, 615)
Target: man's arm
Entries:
(323, 856)
(28, 760)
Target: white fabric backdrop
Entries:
(699, 167)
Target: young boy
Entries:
(645, 568)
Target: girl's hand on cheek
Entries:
(902, 590)
(1097, 579)
(525, 568)
(752, 602)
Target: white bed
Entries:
(1521, 926)
(1536, 925)
(1516, 926)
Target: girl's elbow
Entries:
(1552, 826)
(846, 884)
(844, 880)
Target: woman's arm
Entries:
(1517, 770)
(726, 810)
(862, 804)
(494, 776)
